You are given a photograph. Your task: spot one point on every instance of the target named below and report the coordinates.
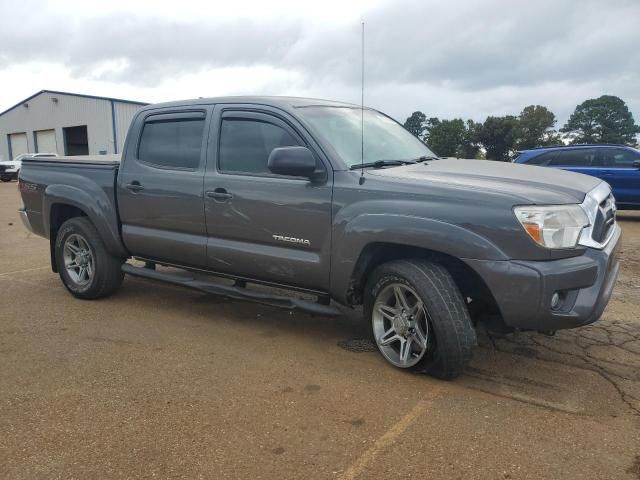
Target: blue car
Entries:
(618, 165)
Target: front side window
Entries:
(619, 158)
(384, 139)
(172, 143)
(245, 145)
(581, 157)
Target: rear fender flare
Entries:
(94, 202)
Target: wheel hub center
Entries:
(401, 324)
(83, 259)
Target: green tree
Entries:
(606, 119)
(497, 135)
(470, 145)
(416, 124)
(453, 138)
(445, 137)
(535, 128)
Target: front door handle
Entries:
(220, 195)
(134, 186)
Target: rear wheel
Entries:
(5, 178)
(419, 320)
(85, 267)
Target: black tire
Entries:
(107, 274)
(451, 336)
(5, 178)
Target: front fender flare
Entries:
(402, 230)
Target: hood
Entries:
(531, 184)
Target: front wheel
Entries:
(419, 319)
(5, 178)
(85, 267)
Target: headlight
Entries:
(556, 226)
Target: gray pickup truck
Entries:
(286, 192)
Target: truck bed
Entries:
(87, 183)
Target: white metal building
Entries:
(65, 123)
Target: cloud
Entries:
(493, 56)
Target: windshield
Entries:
(384, 139)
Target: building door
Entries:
(76, 140)
(46, 141)
(18, 144)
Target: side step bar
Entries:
(235, 292)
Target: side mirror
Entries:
(636, 164)
(292, 161)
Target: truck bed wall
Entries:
(88, 185)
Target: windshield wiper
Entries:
(381, 163)
(425, 158)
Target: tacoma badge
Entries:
(282, 238)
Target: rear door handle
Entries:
(134, 186)
(220, 194)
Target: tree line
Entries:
(606, 119)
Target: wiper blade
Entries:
(380, 164)
(425, 158)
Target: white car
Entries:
(10, 169)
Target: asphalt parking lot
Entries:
(162, 382)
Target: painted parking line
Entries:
(390, 436)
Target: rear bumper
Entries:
(25, 219)
(523, 289)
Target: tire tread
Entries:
(455, 335)
(109, 273)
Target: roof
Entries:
(55, 92)
(276, 101)
(581, 145)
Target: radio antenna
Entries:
(362, 110)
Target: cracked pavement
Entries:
(609, 347)
(162, 382)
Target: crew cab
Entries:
(341, 207)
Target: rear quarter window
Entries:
(542, 159)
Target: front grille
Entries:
(605, 219)
(2, 168)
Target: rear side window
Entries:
(245, 145)
(172, 143)
(582, 157)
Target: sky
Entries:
(447, 58)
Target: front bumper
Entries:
(523, 289)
